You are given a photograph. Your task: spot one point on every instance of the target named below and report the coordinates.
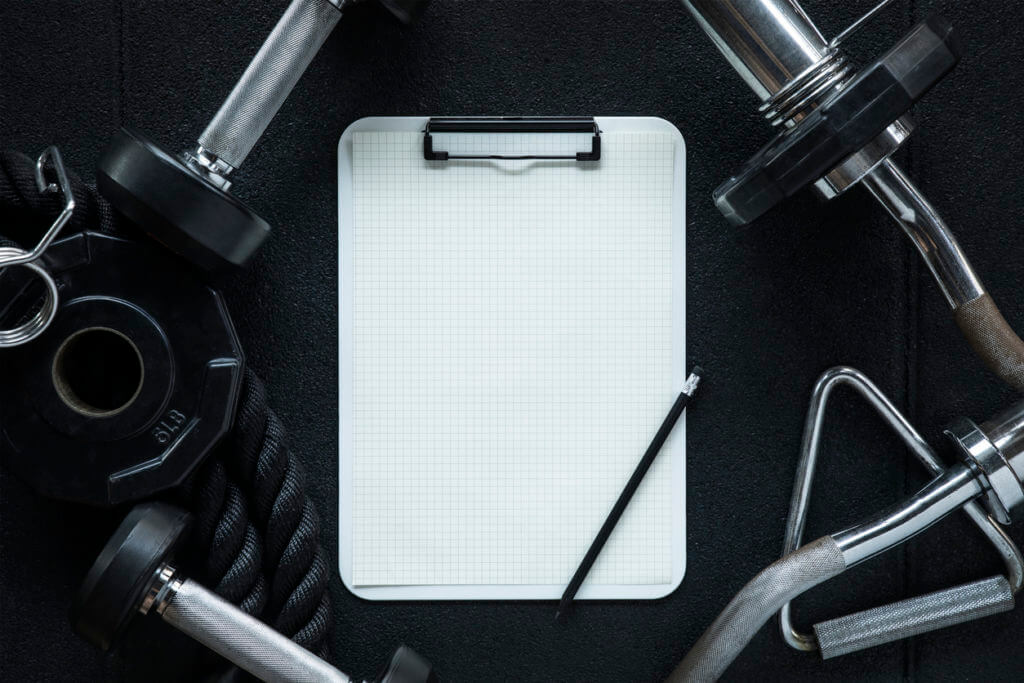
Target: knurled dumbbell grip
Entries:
(269, 79)
(242, 639)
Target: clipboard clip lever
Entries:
(512, 124)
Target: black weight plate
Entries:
(115, 586)
(178, 208)
(135, 411)
(843, 124)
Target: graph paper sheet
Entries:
(512, 335)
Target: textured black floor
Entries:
(770, 307)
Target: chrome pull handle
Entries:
(914, 616)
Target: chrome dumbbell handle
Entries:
(134, 574)
(182, 200)
(243, 640)
(266, 83)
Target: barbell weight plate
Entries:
(131, 387)
(843, 124)
(173, 204)
(116, 585)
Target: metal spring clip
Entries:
(15, 256)
(806, 88)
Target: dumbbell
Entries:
(184, 203)
(135, 574)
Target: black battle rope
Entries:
(256, 536)
(297, 604)
(230, 550)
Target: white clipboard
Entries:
(511, 334)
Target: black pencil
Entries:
(689, 388)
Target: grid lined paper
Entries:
(512, 359)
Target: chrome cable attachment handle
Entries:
(907, 617)
(15, 256)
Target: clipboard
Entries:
(511, 333)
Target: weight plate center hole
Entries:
(98, 372)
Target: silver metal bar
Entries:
(768, 42)
(267, 81)
(240, 638)
(898, 523)
(1006, 427)
(923, 608)
(995, 453)
(923, 225)
(807, 464)
(1006, 432)
(773, 45)
(998, 537)
(843, 376)
(784, 59)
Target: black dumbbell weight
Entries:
(184, 203)
(135, 573)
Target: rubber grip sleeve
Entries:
(993, 339)
(747, 612)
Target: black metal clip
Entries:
(512, 124)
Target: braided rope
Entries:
(232, 561)
(297, 603)
(25, 209)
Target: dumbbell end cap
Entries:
(406, 666)
(177, 207)
(116, 585)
